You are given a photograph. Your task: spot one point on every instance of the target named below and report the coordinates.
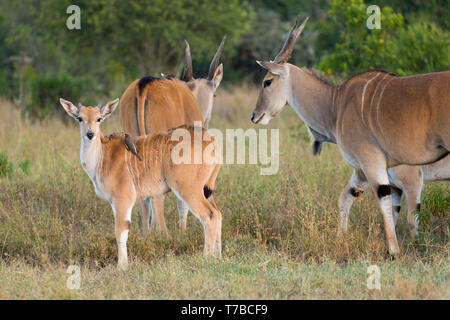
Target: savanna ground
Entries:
(279, 232)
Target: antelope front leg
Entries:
(376, 173)
(122, 218)
(351, 191)
(183, 210)
(145, 216)
(158, 221)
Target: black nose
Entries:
(90, 135)
(253, 117)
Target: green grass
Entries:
(279, 232)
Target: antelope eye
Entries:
(79, 119)
(99, 119)
(267, 83)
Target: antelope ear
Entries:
(217, 78)
(70, 108)
(109, 108)
(275, 68)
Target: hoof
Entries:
(122, 266)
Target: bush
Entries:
(422, 47)
(5, 165)
(359, 48)
(435, 204)
(46, 91)
(4, 83)
(25, 165)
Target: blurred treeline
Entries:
(120, 41)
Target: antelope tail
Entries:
(141, 101)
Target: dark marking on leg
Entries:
(127, 225)
(383, 190)
(211, 214)
(418, 207)
(207, 192)
(397, 208)
(355, 192)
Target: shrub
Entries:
(435, 204)
(359, 48)
(46, 91)
(25, 165)
(422, 47)
(5, 165)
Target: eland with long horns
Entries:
(378, 120)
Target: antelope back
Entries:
(154, 104)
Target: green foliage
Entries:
(435, 204)
(46, 91)
(4, 83)
(422, 47)
(25, 166)
(417, 48)
(147, 36)
(5, 166)
(360, 48)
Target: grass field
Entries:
(279, 232)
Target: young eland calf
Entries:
(378, 120)
(152, 104)
(124, 169)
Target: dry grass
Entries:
(279, 232)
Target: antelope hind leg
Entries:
(209, 216)
(351, 191)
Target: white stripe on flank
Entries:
(362, 97)
(379, 101)
(375, 93)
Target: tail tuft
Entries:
(317, 147)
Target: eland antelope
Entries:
(124, 169)
(378, 120)
(153, 104)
